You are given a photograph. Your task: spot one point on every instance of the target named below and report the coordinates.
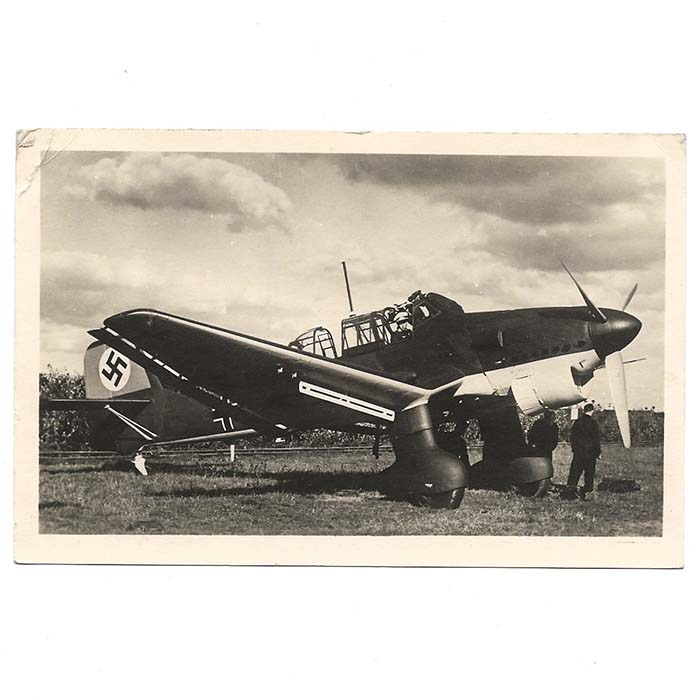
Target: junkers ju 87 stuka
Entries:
(406, 370)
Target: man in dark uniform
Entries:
(585, 444)
(543, 436)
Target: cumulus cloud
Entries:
(184, 181)
(82, 288)
(598, 213)
(79, 289)
(529, 189)
(623, 240)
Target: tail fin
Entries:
(108, 374)
(149, 407)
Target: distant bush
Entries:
(62, 430)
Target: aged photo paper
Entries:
(299, 348)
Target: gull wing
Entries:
(268, 386)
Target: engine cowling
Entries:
(546, 386)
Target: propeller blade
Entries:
(633, 291)
(595, 311)
(618, 392)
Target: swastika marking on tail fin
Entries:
(114, 370)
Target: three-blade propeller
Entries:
(614, 365)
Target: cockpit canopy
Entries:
(393, 324)
(317, 341)
(363, 333)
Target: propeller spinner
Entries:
(610, 332)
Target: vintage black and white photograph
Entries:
(278, 341)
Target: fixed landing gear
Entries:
(508, 462)
(423, 473)
(432, 469)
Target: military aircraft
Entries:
(408, 370)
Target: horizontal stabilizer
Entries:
(46, 404)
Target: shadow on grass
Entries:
(126, 465)
(52, 504)
(297, 482)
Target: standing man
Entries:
(585, 444)
(543, 436)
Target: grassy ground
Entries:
(328, 493)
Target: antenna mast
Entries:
(347, 286)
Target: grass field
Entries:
(328, 493)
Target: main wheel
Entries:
(448, 499)
(535, 489)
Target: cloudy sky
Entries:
(253, 242)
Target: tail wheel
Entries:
(447, 500)
(535, 489)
